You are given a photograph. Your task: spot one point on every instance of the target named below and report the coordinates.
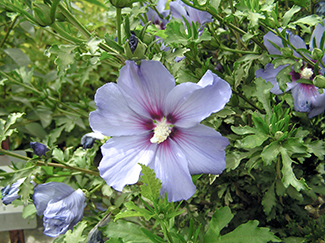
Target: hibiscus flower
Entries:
(155, 123)
(306, 96)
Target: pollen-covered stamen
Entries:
(161, 132)
(306, 73)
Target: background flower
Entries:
(61, 206)
(179, 10)
(155, 123)
(306, 96)
(10, 193)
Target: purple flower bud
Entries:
(38, 148)
(87, 140)
(61, 206)
(133, 42)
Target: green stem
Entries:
(118, 25)
(41, 163)
(54, 5)
(8, 32)
(278, 173)
(96, 188)
(74, 21)
(166, 232)
(65, 35)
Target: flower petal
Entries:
(171, 167)
(61, 215)
(188, 104)
(316, 36)
(308, 99)
(305, 96)
(43, 193)
(113, 116)
(269, 74)
(177, 10)
(203, 147)
(10, 193)
(145, 87)
(121, 155)
(270, 39)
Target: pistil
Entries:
(161, 132)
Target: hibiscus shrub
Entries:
(165, 120)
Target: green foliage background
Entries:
(56, 54)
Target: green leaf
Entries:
(134, 211)
(175, 32)
(64, 57)
(98, 3)
(269, 200)
(289, 177)
(249, 232)
(18, 56)
(29, 211)
(288, 15)
(310, 20)
(36, 130)
(253, 141)
(93, 44)
(243, 130)
(254, 18)
(5, 125)
(152, 237)
(270, 152)
(260, 124)
(151, 185)
(284, 77)
(25, 190)
(262, 93)
(317, 148)
(127, 231)
(58, 154)
(219, 220)
(76, 235)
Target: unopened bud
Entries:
(134, 48)
(42, 14)
(317, 54)
(319, 81)
(278, 135)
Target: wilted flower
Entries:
(87, 140)
(179, 10)
(155, 123)
(10, 193)
(306, 96)
(61, 206)
(38, 148)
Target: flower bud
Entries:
(319, 81)
(278, 135)
(121, 3)
(317, 54)
(42, 14)
(38, 148)
(134, 48)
